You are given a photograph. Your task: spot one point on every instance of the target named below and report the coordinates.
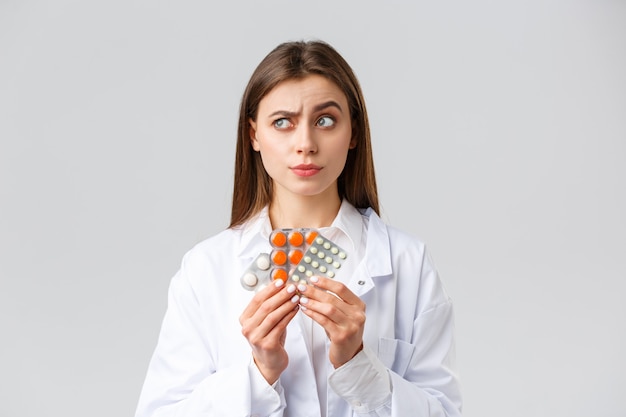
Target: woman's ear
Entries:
(353, 140)
(252, 132)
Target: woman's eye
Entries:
(326, 121)
(281, 123)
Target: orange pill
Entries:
(279, 257)
(279, 273)
(295, 256)
(279, 239)
(311, 237)
(296, 239)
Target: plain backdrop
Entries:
(499, 133)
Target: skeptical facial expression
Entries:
(303, 131)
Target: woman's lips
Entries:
(305, 170)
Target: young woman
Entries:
(377, 340)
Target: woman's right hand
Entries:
(264, 323)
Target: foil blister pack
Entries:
(296, 255)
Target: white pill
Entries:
(328, 260)
(313, 250)
(307, 259)
(323, 269)
(334, 250)
(326, 245)
(301, 268)
(342, 255)
(263, 262)
(331, 274)
(315, 264)
(250, 279)
(336, 265)
(319, 240)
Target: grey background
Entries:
(499, 136)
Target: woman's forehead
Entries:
(297, 93)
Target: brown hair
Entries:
(295, 60)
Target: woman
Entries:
(375, 341)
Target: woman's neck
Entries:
(304, 211)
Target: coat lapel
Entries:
(377, 260)
(375, 268)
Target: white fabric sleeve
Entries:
(428, 384)
(364, 383)
(264, 393)
(373, 390)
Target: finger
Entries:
(313, 292)
(260, 297)
(273, 327)
(344, 331)
(269, 314)
(325, 313)
(278, 330)
(337, 288)
(330, 312)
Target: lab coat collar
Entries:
(349, 222)
(254, 233)
(377, 259)
(378, 250)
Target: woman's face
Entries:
(303, 131)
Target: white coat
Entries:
(202, 363)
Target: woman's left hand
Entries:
(340, 312)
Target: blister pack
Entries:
(296, 255)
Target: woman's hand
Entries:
(340, 312)
(264, 323)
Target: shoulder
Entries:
(407, 250)
(213, 248)
(413, 266)
(226, 237)
(399, 240)
(402, 238)
(208, 260)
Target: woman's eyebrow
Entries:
(330, 103)
(316, 108)
(284, 113)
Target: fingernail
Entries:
(301, 287)
(291, 288)
(314, 278)
(304, 300)
(279, 282)
(295, 299)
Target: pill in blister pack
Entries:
(257, 274)
(297, 254)
(288, 248)
(322, 257)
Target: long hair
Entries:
(295, 60)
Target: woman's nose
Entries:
(305, 140)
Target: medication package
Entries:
(296, 255)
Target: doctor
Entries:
(375, 341)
